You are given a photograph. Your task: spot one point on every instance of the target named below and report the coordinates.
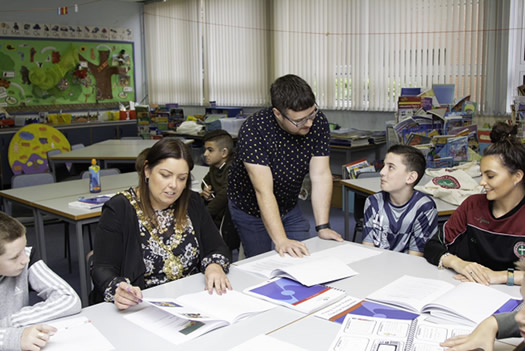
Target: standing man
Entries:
(276, 148)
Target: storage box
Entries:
(126, 115)
(232, 125)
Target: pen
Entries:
(132, 292)
(207, 186)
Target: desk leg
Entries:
(345, 211)
(81, 264)
(7, 207)
(39, 231)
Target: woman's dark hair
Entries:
(164, 149)
(508, 147)
(291, 92)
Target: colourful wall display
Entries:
(63, 72)
(28, 148)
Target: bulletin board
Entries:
(59, 72)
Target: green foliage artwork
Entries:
(65, 72)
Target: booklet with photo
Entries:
(366, 333)
(445, 300)
(356, 307)
(289, 293)
(189, 316)
(92, 202)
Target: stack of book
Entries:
(441, 128)
(350, 137)
(353, 169)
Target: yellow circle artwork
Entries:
(29, 146)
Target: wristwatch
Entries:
(510, 276)
(322, 226)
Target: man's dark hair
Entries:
(412, 158)
(291, 92)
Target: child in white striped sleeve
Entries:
(20, 271)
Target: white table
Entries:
(53, 199)
(306, 331)
(108, 151)
(370, 186)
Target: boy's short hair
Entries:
(412, 158)
(223, 139)
(10, 230)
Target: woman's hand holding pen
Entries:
(127, 296)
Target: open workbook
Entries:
(188, 316)
(294, 295)
(307, 270)
(367, 333)
(444, 300)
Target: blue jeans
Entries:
(254, 237)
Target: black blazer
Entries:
(118, 252)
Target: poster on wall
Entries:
(65, 72)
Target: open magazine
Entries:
(445, 300)
(294, 295)
(188, 316)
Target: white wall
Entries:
(111, 13)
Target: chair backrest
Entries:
(359, 200)
(77, 146)
(103, 172)
(131, 138)
(23, 180)
(53, 152)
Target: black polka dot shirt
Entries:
(262, 141)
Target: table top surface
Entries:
(373, 185)
(55, 197)
(282, 323)
(113, 149)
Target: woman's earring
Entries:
(147, 180)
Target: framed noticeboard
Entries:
(65, 73)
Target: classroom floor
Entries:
(59, 264)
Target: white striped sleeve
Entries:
(59, 299)
(10, 338)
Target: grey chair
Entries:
(24, 180)
(103, 172)
(359, 205)
(51, 165)
(77, 146)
